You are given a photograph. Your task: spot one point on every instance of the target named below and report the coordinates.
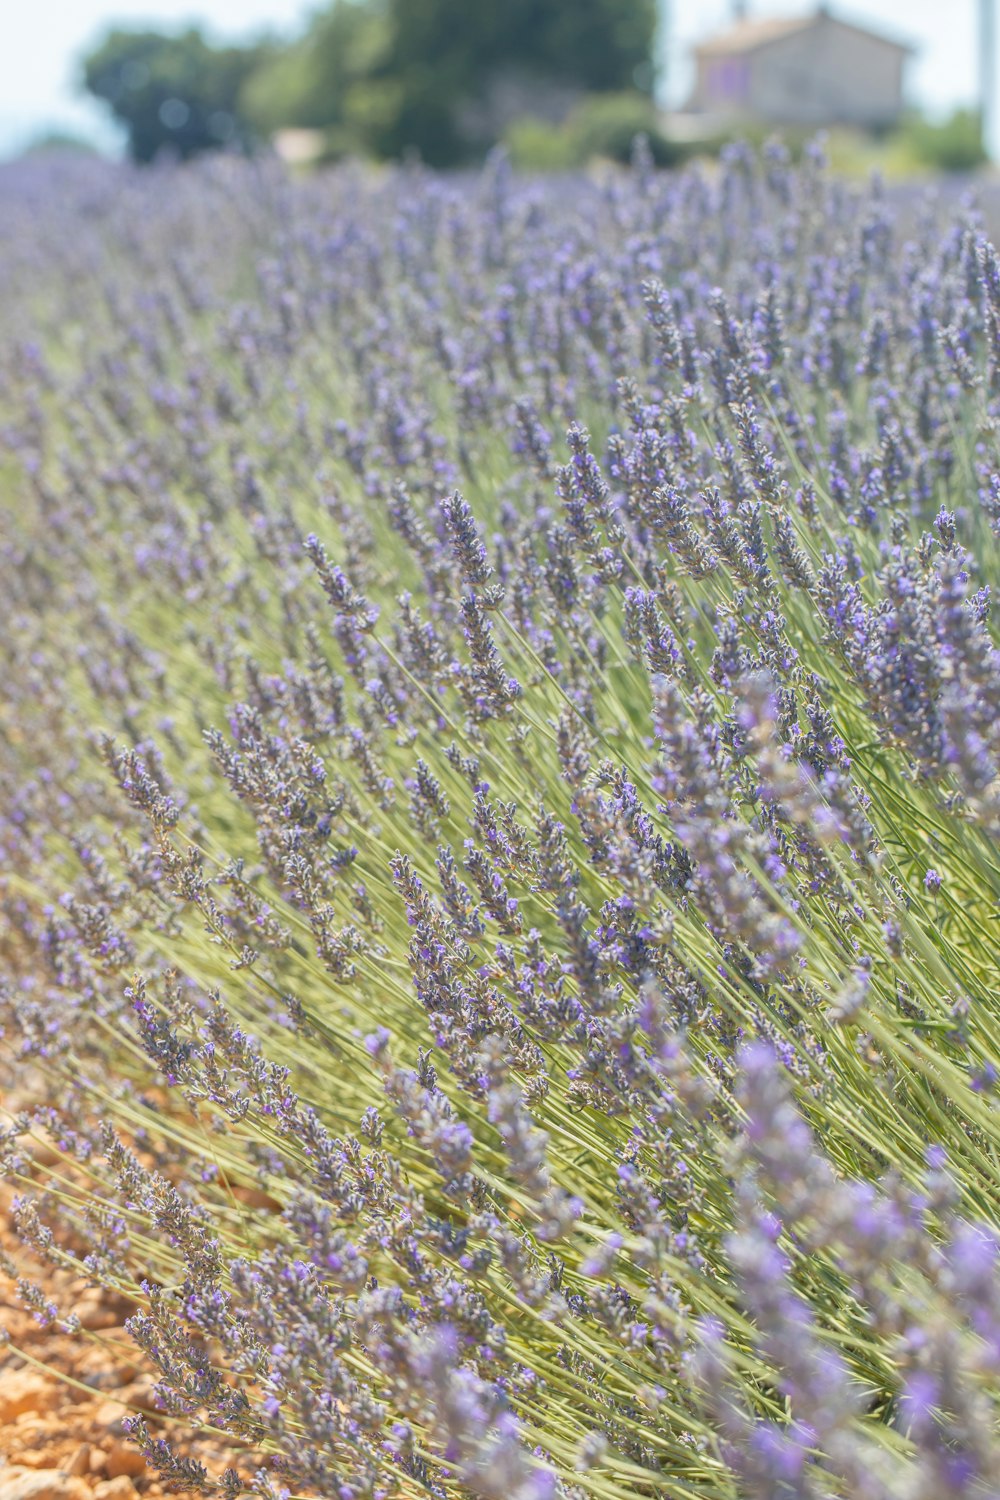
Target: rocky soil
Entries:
(61, 1435)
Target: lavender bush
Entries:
(499, 752)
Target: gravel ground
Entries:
(61, 1435)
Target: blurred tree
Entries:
(597, 44)
(314, 82)
(389, 75)
(446, 53)
(59, 142)
(600, 125)
(173, 93)
(952, 145)
(442, 76)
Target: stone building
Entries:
(808, 70)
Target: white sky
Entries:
(41, 42)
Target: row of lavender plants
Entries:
(499, 794)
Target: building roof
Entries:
(747, 36)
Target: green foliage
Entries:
(597, 44)
(535, 146)
(387, 76)
(607, 125)
(915, 148)
(172, 93)
(601, 125)
(58, 142)
(445, 51)
(317, 82)
(955, 145)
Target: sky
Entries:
(41, 42)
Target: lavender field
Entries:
(499, 799)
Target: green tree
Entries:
(952, 145)
(388, 75)
(172, 93)
(598, 44)
(445, 52)
(314, 82)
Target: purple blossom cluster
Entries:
(499, 791)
